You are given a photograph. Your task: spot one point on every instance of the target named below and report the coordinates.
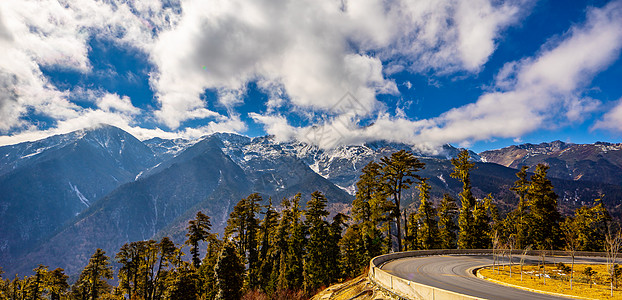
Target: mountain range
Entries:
(64, 196)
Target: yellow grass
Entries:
(558, 282)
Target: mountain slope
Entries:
(46, 183)
(599, 162)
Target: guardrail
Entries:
(411, 290)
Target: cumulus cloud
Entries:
(304, 50)
(307, 56)
(612, 120)
(533, 93)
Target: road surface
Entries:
(452, 273)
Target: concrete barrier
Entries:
(407, 289)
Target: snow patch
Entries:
(83, 199)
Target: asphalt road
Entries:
(451, 272)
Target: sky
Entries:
(481, 74)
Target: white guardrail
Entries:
(411, 290)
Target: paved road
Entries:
(451, 272)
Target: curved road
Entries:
(451, 272)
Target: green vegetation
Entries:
(290, 252)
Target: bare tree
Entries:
(511, 243)
(522, 260)
(571, 237)
(495, 249)
(613, 240)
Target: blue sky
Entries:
(480, 74)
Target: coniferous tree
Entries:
(207, 278)
(35, 283)
(447, 214)
(427, 235)
(316, 267)
(516, 222)
(371, 210)
(353, 259)
(292, 276)
(399, 171)
(182, 283)
(229, 273)
(543, 214)
(268, 254)
(411, 241)
(198, 231)
(56, 283)
(482, 220)
(591, 225)
(332, 246)
(242, 228)
(92, 281)
(466, 221)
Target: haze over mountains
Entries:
(64, 196)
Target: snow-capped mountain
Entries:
(101, 187)
(46, 183)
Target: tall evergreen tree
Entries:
(466, 221)
(198, 231)
(427, 235)
(35, 284)
(371, 210)
(207, 278)
(411, 241)
(447, 214)
(482, 223)
(229, 273)
(399, 172)
(316, 267)
(182, 283)
(352, 261)
(92, 281)
(268, 254)
(56, 283)
(517, 220)
(333, 257)
(544, 217)
(243, 228)
(291, 267)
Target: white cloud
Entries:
(534, 93)
(303, 49)
(612, 120)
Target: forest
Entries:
(285, 251)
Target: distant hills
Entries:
(66, 195)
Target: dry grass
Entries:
(557, 281)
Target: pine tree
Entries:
(56, 282)
(291, 263)
(182, 283)
(92, 281)
(411, 241)
(229, 273)
(35, 283)
(352, 261)
(371, 210)
(198, 231)
(517, 220)
(427, 235)
(207, 279)
(466, 221)
(242, 228)
(398, 172)
(591, 225)
(316, 267)
(544, 217)
(332, 246)
(482, 221)
(268, 254)
(447, 214)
